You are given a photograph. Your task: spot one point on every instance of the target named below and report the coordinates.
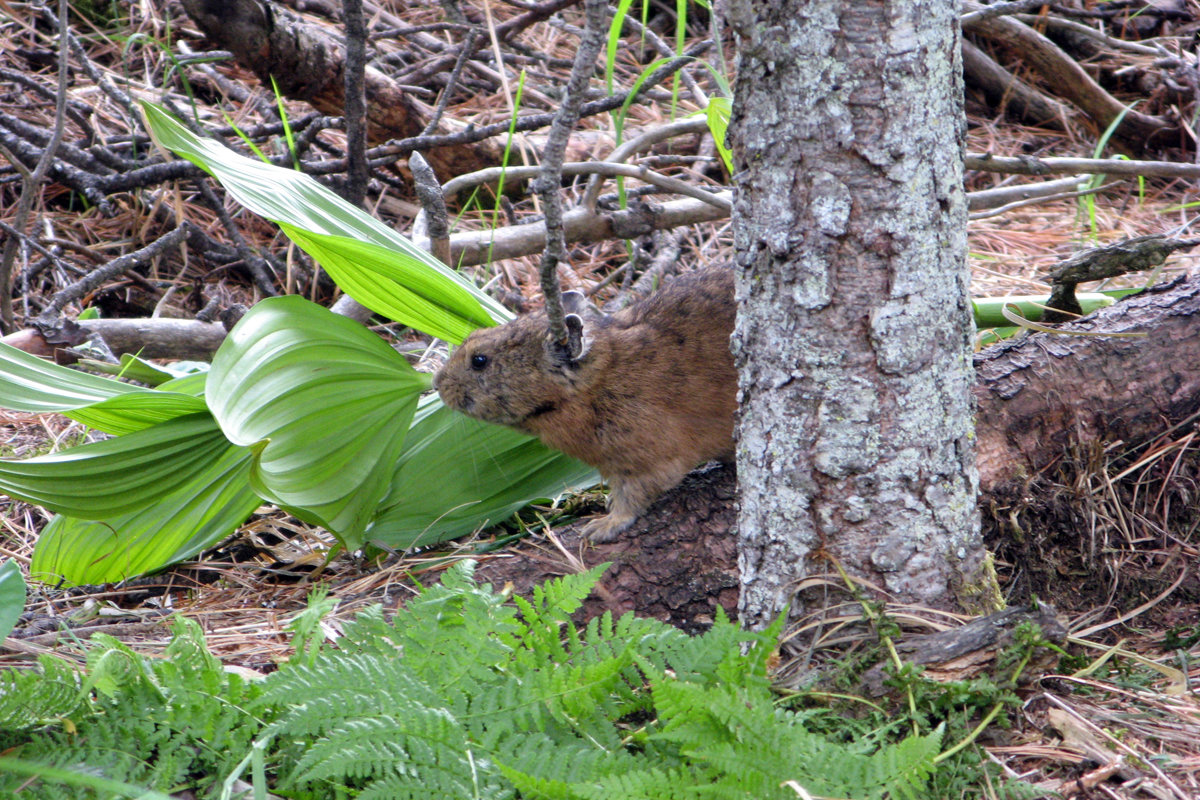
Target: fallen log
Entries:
(1037, 396)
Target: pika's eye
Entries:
(478, 362)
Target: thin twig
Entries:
(464, 56)
(1028, 165)
(355, 105)
(32, 181)
(606, 168)
(97, 277)
(533, 121)
(547, 184)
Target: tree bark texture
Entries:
(1041, 393)
(854, 330)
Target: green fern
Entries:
(168, 723)
(462, 694)
(42, 696)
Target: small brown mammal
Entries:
(644, 395)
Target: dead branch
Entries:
(1068, 79)
(549, 180)
(1008, 93)
(1028, 165)
(308, 63)
(156, 337)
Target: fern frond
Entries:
(385, 745)
(440, 784)
(315, 697)
(646, 784)
(29, 698)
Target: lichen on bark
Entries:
(854, 330)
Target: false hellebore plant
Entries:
(301, 408)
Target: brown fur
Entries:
(652, 395)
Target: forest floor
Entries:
(1123, 722)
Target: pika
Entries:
(644, 394)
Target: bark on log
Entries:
(308, 63)
(160, 337)
(1035, 396)
(965, 652)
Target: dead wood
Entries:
(1009, 94)
(1036, 396)
(308, 62)
(1070, 81)
(965, 652)
(161, 337)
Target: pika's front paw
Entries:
(606, 528)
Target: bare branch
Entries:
(1028, 165)
(117, 266)
(32, 181)
(355, 103)
(433, 216)
(548, 183)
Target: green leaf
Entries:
(127, 413)
(196, 516)
(718, 113)
(323, 402)
(137, 369)
(457, 474)
(12, 597)
(116, 476)
(294, 199)
(28, 383)
(396, 287)
(988, 311)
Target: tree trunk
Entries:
(854, 330)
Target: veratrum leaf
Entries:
(196, 516)
(485, 473)
(127, 413)
(28, 383)
(322, 401)
(395, 287)
(294, 199)
(116, 476)
(12, 596)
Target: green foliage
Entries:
(12, 596)
(466, 693)
(470, 696)
(179, 721)
(302, 408)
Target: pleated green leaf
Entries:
(294, 199)
(29, 383)
(117, 476)
(127, 413)
(457, 474)
(196, 516)
(12, 596)
(394, 287)
(323, 402)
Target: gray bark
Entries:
(854, 330)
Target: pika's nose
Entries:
(436, 375)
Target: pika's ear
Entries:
(575, 303)
(578, 341)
